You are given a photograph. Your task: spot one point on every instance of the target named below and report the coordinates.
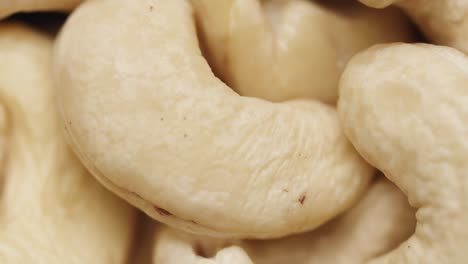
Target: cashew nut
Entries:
(173, 247)
(380, 221)
(444, 22)
(52, 210)
(148, 118)
(284, 49)
(9, 7)
(404, 107)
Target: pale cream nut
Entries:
(173, 247)
(376, 225)
(405, 109)
(51, 209)
(285, 49)
(444, 22)
(146, 115)
(268, 49)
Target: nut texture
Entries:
(51, 209)
(148, 118)
(444, 22)
(404, 107)
(287, 49)
(377, 224)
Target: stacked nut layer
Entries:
(236, 131)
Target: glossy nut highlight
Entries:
(146, 115)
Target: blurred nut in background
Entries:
(52, 210)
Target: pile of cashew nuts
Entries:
(234, 132)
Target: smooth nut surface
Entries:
(444, 22)
(51, 209)
(287, 49)
(148, 118)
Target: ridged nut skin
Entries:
(377, 224)
(51, 209)
(145, 113)
(404, 107)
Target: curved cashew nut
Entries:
(404, 107)
(300, 53)
(444, 22)
(52, 210)
(9, 7)
(154, 125)
(374, 226)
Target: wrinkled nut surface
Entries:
(444, 22)
(284, 49)
(377, 224)
(9, 7)
(146, 115)
(405, 107)
(51, 209)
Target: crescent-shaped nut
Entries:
(286, 49)
(9, 7)
(444, 22)
(148, 118)
(51, 209)
(405, 107)
(376, 225)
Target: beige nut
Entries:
(404, 107)
(173, 247)
(51, 209)
(444, 22)
(376, 225)
(149, 119)
(285, 49)
(9, 7)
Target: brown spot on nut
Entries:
(302, 199)
(162, 212)
(285, 190)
